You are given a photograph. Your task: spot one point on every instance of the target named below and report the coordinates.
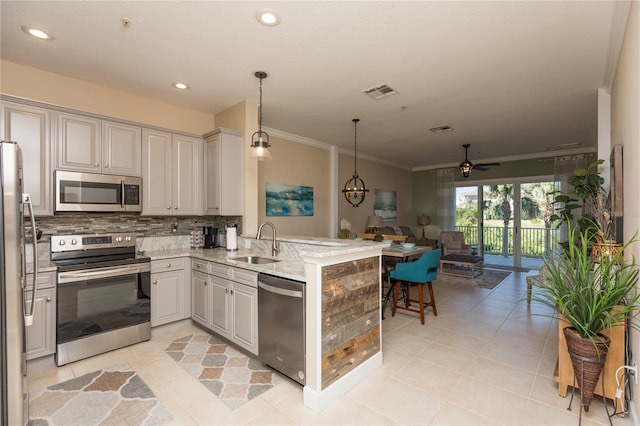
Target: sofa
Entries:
(411, 238)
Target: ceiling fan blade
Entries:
(486, 165)
(480, 167)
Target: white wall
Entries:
(625, 130)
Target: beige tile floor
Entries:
(486, 359)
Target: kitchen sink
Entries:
(255, 260)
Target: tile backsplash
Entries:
(143, 226)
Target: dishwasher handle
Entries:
(281, 291)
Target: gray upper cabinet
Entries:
(87, 144)
(78, 143)
(121, 149)
(171, 174)
(31, 128)
(224, 173)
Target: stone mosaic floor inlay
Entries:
(113, 396)
(225, 371)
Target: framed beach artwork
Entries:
(289, 200)
(384, 205)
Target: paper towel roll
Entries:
(232, 238)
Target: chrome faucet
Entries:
(274, 246)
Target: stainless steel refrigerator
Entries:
(15, 315)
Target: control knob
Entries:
(74, 242)
(61, 242)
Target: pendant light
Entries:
(260, 140)
(355, 189)
(466, 165)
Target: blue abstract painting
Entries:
(289, 200)
(384, 205)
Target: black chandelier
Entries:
(260, 140)
(466, 166)
(355, 189)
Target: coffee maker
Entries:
(210, 237)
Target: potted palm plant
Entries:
(592, 295)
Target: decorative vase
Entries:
(587, 357)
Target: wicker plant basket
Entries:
(588, 360)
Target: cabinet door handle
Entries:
(96, 165)
(106, 166)
(176, 207)
(155, 282)
(168, 207)
(168, 265)
(48, 299)
(231, 292)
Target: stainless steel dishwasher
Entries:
(281, 323)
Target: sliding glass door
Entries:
(499, 224)
(507, 222)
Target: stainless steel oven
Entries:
(104, 296)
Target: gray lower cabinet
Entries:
(170, 290)
(201, 298)
(225, 300)
(41, 335)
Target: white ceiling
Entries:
(511, 78)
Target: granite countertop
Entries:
(44, 265)
(286, 268)
(290, 262)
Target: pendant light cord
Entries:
(260, 109)
(355, 146)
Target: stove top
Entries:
(75, 242)
(85, 249)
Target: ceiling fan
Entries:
(466, 165)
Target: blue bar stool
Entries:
(419, 272)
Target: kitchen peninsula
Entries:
(342, 306)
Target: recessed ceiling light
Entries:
(37, 33)
(180, 85)
(268, 17)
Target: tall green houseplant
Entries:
(589, 195)
(591, 296)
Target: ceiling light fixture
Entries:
(37, 33)
(260, 140)
(180, 85)
(268, 17)
(466, 165)
(355, 189)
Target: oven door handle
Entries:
(93, 274)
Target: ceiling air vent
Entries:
(380, 92)
(441, 129)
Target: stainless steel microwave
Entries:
(92, 192)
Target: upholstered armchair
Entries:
(453, 243)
